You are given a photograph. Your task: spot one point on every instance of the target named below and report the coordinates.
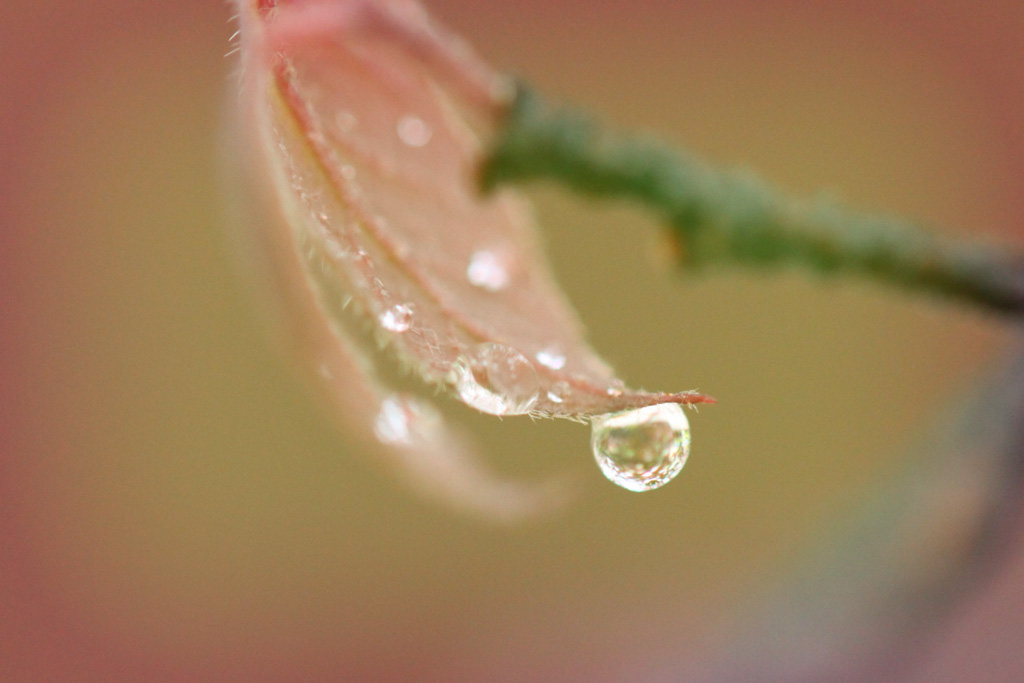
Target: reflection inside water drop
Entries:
(496, 379)
(641, 449)
(551, 357)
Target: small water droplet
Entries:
(617, 388)
(345, 122)
(558, 392)
(403, 420)
(551, 357)
(317, 138)
(496, 379)
(348, 172)
(487, 271)
(414, 131)
(398, 318)
(641, 449)
(402, 250)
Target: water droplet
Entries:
(486, 270)
(348, 172)
(402, 249)
(558, 392)
(551, 357)
(414, 131)
(496, 379)
(317, 138)
(403, 420)
(398, 318)
(345, 122)
(641, 449)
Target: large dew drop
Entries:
(496, 379)
(641, 449)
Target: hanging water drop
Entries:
(496, 379)
(414, 131)
(641, 449)
(487, 271)
(398, 318)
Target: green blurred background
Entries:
(175, 506)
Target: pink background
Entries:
(175, 507)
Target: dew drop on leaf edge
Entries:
(642, 449)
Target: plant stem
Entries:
(724, 218)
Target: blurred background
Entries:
(174, 506)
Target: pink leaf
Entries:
(366, 124)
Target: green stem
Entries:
(729, 217)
